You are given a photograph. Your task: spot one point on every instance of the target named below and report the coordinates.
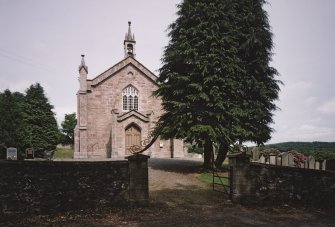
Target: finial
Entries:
(82, 63)
(129, 36)
(82, 60)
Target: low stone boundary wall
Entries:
(269, 184)
(48, 186)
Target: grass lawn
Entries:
(63, 153)
(208, 178)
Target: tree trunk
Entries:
(208, 149)
(222, 153)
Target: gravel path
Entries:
(186, 201)
(174, 174)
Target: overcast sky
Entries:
(42, 40)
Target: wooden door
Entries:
(133, 138)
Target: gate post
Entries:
(138, 179)
(240, 187)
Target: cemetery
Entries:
(280, 179)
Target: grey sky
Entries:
(42, 40)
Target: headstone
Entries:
(255, 155)
(290, 160)
(279, 161)
(306, 164)
(30, 153)
(11, 153)
(273, 159)
(284, 159)
(317, 165)
(330, 164)
(311, 162)
(323, 165)
(262, 159)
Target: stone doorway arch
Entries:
(133, 138)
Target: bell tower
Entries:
(129, 43)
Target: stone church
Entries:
(116, 111)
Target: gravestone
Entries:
(306, 164)
(284, 159)
(255, 155)
(273, 159)
(262, 159)
(311, 162)
(11, 153)
(323, 165)
(290, 160)
(279, 161)
(317, 165)
(30, 153)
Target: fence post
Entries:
(239, 167)
(138, 179)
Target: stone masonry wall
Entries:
(286, 185)
(48, 186)
(108, 96)
(269, 184)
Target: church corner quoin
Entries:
(116, 110)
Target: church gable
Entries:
(116, 109)
(114, 70)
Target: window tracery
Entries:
(130, 98)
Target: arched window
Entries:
(130, 98)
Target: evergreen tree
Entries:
(12, 130)
(216, 84)
(43, 133)
(68, 126)
(255, 104)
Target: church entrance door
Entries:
(133, 138)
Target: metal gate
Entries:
(222, 180)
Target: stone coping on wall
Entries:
(70, 160)
(90, 160)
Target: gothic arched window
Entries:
(130, 98)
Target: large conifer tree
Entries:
(43, 133)
(216, 84)
(12, 127)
